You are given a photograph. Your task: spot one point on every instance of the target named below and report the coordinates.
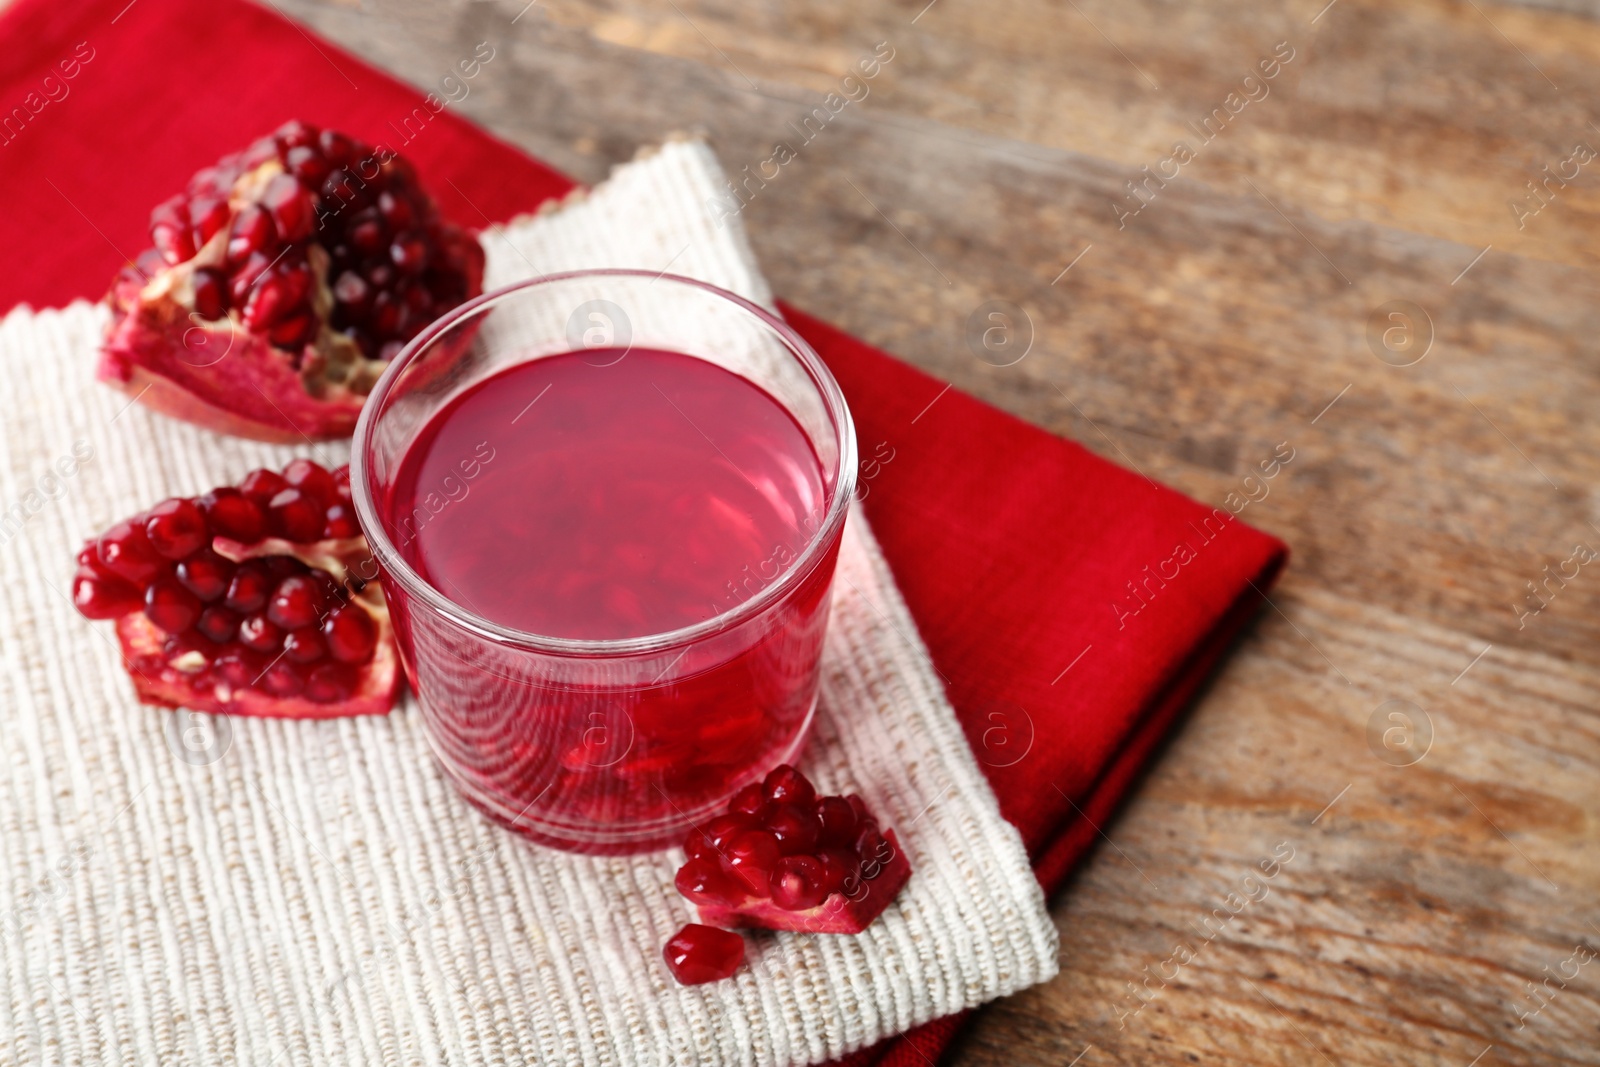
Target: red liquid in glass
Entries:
(599, 495)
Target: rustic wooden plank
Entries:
(1223, 318)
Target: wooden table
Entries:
(1443, 459)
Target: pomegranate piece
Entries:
(281, 282)
(698, 954)
(220, 608)
(784, 858)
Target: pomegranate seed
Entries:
(290, 207)
(176, 528)
(344, 190)
(799, 883)
(219, 624)
(98, 596)
(171, 212)
(298, 602)
(170, 606)
(306, 163)
(294, 332)
(262, 485)
(259, 633)
(283, 679)
(270, 302)
(351, 635)
(838, 868)
(174, 241)
(331, 682)
(796, 828)
(409, 253)
(341, 522)
(396, 210)
(751, 857)
(705, 882)
(239, 667)
(353, 293)
(787, 784)
(294, 134)
(295, 516)
(125, 551)
(206, 575)
(698, 954)
(381, 275)
(244, 279)
(305, 646)
(751, 801)
(368, 234)
(208, 215)
(252, 584)
(252, 231)
(230, 513)
(336, 146)
(210, 294)
(838, 822)
(712, 838)
(385, 315)
(312, 479)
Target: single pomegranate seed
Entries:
(368, 233)
(751, 857)
(261, 634)
(336, 146)
(125, 551)
(698, 954)
(307, 164)
(712, 838)
(230, 513)
(409, 253)
(385, 317)
(838, 822)
(262, 485)
(796, 828)
(283, 679)
(239, 667)
(351, 635)
(294, 332)
(210, 294)
(290, 207)
(396, 210)
(252, 232)
(787, 784)
(751, 801)
(298, 602)
(174, 241)
(799, 883)
(341, 522)
(705, 882)
(353, 293)
(311, 478)
(170, 606)
(305, 646)
(381, 275)
(219, 624)
(270, 302)
(99, 596)
(330, 683)
(251, 585)
(296, 516)
(294, 134)
(838, 868)
(208, 215)
(176, 528)
(206, 575)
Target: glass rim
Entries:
(397, 570)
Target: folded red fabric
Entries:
(1072, 607)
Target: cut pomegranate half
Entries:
(250, 600)
(699, 954)
(280, 284)
(784, 858)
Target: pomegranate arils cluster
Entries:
(784, 858)
(241, 600)
(280, 283)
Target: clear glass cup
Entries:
(610, 745)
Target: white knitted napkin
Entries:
(178, 889)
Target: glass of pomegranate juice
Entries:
(607, 507)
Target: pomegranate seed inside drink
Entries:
(606, 496)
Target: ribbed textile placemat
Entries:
(180, 890)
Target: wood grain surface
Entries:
(1438, 908)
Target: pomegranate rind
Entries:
(839, 913)
(220, 376)
(169, 687)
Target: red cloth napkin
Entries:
(1073, 607)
